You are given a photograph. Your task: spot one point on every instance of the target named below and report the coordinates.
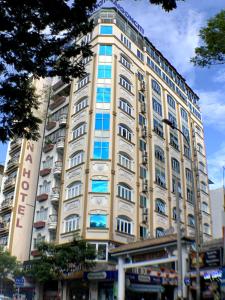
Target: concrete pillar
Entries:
(64, 290)
(121, 279)
(93, 290)
(38, 292)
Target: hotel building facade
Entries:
(108, 164)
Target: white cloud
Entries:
(216, 162)
(220, 76)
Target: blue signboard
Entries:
(19, 281)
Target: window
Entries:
(124, 224)
(47, 164)
(143, 232)
(78, 130)
(125, 132)
(98, 221)
(76, 159)
(45, 187)
(158, 127)
(184, 114)
(105, 50)
(159, 232)
(124, 191)
(160, 206)
(191, 220)
(156, 87)
(143, 201)
(187, 151)
(205, 207)
(103, 95)
(160, 177)
(185, 132)
(143, 172)
(188, 175)
(125, 83)
(42, 214)
(83, 82)
(74, 189)
(71, 223)
(174, 213)
(101, 150)
(159, 153)
(179, 186)
(100, 186)
(140, 76)
(104, 72)
(203, 186)
(125, 160)
(81, 104)
(199, 148)
(125, 41)
(86, 39)
(171, 102)
(206, 228)
(102, 121)
(202, 167)
(172, 119)
(198, 130)
(38, 240)
(124, 61)
(125, 106)
(175, 165)
(141, 97)
(174, 140)
(140, 55)
(157, 107)
(143, 145)
(142, 120)
(190, 195)
(101, 250)
(106, 29)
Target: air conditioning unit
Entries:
(144, 131)
(144, 218)
(145, 211)
(145, 185)
(144, 159)
(143, 108)
(142, 86)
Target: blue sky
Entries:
(175, 34)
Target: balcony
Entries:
(48, 147)
(59, 83)
(45, 172)
(12, 163)
(52, 222)
(50, 125)
(62, 120)
(42, 197)
(15, 144)
(39, 224)
(60, 144)
(6, 204)
(57, 170)
(54, 197)
(9, 183)
(57, 102)
(4, 227)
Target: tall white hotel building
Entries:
(107, 162)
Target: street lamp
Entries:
(197, 238)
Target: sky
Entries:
(175, 34)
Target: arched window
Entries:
(159, 153)
(45, 187)
(80, 104)
(125, 106)
(175, 165)
(42, 214)
(74, 189)
(171, 102)
(202, 166)
(200, 148)
(38, 240)
(156, 87)
(76, 159)
(205, 207)
(48, 162)
(71, 223)
(159, 232)
(206, 228)
(203, 186)
(188, 175)
(78, 130)
(125, 61)
(125, 82)
(160, 206)
(191, 220)
(124, 191)
(125, 160)
(125, 132)
(124, 224)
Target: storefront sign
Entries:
(146, 288)
(103, 275)
(212, 274)
(207, 259)
(135, 278)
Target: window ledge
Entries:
(106, 229)
(73, 198)
(74, 167)
(70, 232)
(162, 137)
(125, 139)
(76, 139)
(100, 193)
(160, 186)
(174, 148)
(161, 214)
(206, 213)
(129, 116)
(125, 234)
(126, 68)
(125, 200)
(129, 92)
(76, 113)
(187, 157)
(204, 192)
(126, 168)
(99, 159)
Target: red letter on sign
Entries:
(21, 209)
(30, 147)
(29, 158)
(18, 223)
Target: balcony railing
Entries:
(62, 120)
(42, 197)
(44, 172)
(54, 197)
(52, 223)
(57, 102)
(50, 125)
(13, 162)
(60, 143)
(57, 170)
(7, 203)
(9, 182)
(48, 147)
(4, 226)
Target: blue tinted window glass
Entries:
(104, 71)
(98, 221)
(104, 29)
(102, 121)
(105, 50)
(101, 150)
(103, 95)
(100, 186)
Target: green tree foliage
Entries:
(212, 52)
(56, 261)
(168, 5)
